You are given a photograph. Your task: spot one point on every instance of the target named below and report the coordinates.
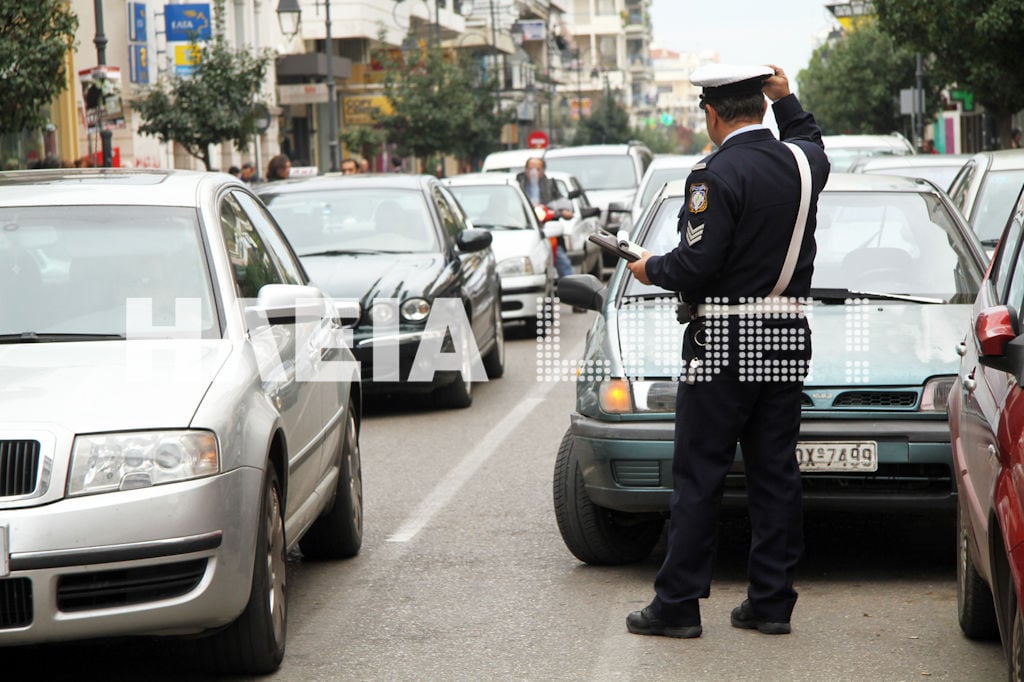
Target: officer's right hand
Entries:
(639, 267)
(777, 86)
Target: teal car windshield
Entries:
(881, 242)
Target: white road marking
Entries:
(447, 488)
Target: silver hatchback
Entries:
(177, 412)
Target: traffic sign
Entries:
(538, 139)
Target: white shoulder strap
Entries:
(801, 221)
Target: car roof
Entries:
(339, 181)
(674, 161)
(511, 158)
(108, 186)
(892, 141)
(590, 150)
(912, 161)
(870, 182)
(491, 178)
(1003, 159)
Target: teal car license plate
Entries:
(837, 456)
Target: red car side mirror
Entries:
(994, 328)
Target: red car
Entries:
(986, 416)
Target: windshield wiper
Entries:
(993, 242)
(345, 252)
(485, 226)
(841, 295)
(46, 337)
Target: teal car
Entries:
(896, 272)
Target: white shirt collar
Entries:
(744, 129)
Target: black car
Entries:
(426, 283)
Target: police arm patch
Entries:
(698, 197)
(694, 234)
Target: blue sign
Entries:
(138, 64)
(137, 22)
(187, 22)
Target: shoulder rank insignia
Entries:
(698, 197)
(694, 234)
(699, 166)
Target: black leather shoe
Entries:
(645, 623)
(743, 617)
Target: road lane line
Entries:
(447, 488)
(450, 485)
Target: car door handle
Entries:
(961, 349)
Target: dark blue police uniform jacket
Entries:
(736, 226)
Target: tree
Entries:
(34, 38)
(364, 140)
(660, 140)
(852, 85)
(609, 124)
(216, 104)
(440, 106)
(972, 44)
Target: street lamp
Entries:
(289, 16)
(100, 40)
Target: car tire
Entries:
(459, 393)
(1016, 667)
(494, 362)
(595, 535)
(338, 533)
(254, 643)
(975, 608)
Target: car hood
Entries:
(907, 342)
(98, 386)
(513, 243)
(365, 277)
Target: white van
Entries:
(510, 161)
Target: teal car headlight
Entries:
(515, 266)
(139, 459)
(620, 396)
(936, 393)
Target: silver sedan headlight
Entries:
(123, 461)
(515, 266)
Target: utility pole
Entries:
(332, 96)
(101, 74)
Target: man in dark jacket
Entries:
(541, 191)
(744, 265)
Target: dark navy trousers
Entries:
(711, 417)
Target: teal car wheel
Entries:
(595, 535)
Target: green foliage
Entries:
(214, 105)
(659, 139)
(34, 37)
(440, 106)
(852, 85)
(363, 140)
(971, 44)
(609, 124)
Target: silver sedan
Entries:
(177, 411)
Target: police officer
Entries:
(742, 265)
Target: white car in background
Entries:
(526, 263)
(585, 221)
(664, 168)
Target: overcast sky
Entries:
(783, 32)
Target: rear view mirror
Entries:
(1000, 345)
(575, 193)
(582, 291)
(473, 239)
(590, 212)
(618, 207)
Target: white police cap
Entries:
(722, 81)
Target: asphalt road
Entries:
(463, 575)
